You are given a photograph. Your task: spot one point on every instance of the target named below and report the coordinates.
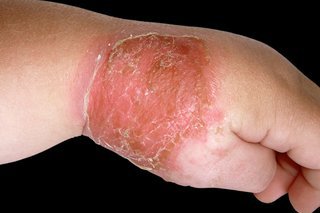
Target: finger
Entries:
(304, 194)
(298, 133)
(290, 123)
(286, 172)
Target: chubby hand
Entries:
(209, 110)
(196, 106)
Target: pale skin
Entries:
(271, 111)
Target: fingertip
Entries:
(264, 198)
(278, 186)
(303, 197)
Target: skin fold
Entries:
(195, 106)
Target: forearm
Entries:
(44, 71)
(49, 55)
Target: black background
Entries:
(88, 176)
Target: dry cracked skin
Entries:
(153, 100)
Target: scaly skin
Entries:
(151, 93)
(153, 101)
(250, 103)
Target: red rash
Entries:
(151, 94)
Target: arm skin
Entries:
(271, 112)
